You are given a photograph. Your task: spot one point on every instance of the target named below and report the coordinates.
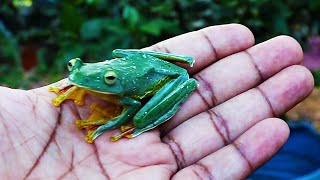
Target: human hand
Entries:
(225, 130)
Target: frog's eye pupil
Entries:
(70, 66)
(110, 77)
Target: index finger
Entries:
(207, 45)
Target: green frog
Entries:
(146, 84)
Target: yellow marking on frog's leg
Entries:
(89, 137)
(154, 88)
(71, 92)
(125, 128)
(54, 89)
(90, 122)
(100, 115)
(78, 96)
(93, 107)
(111, 98)
(59, 90)
(64, 96)
(123, 134)
(110, 111)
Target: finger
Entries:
(236, 74)
(208, 45)
(221, 125)
(242, 157)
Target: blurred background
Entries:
(39, 37)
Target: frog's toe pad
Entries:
(56, 101)
(54, 89)
(79, 102)
(79, 124)
(88, 139)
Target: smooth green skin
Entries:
(139, 74)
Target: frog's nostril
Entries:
(86, 80)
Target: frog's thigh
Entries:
(158, 112)
(119, 53)
(140, 119)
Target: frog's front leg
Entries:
(130, 107)
(68, 92)
(163, 105)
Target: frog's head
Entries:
(99, 77)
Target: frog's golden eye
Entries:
(110, 77)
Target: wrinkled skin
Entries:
(225, 130)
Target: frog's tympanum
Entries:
(142, 86)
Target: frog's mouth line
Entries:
(92, 90)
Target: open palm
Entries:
(225, 130)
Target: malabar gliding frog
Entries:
(148, 87)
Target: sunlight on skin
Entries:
(42, 141)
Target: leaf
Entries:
(156, 26)
(132, 15)
(70, 18)
(91, 29)
(151, 28)
(93, 2)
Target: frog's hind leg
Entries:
(118, 53)
(161, 111)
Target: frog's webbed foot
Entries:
(69, 92)
(100, 115)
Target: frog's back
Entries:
(143, 74)
(152, 62)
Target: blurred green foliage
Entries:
(91, 29)
(316, 75)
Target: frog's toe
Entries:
(89, 139)
(137, 132)
(129, 136)
(93, 107)
(79, 102)
(56, 101)
(79, 124)
(126, 128)
(123, 134)
(54, 89)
